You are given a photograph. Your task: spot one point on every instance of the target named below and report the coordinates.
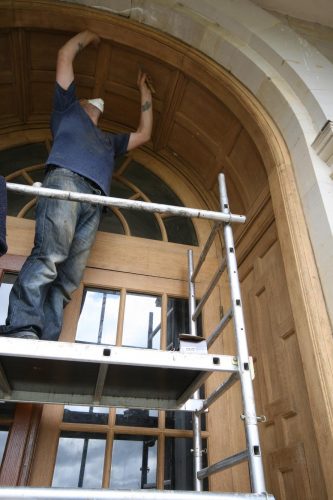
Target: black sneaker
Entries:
(21, 335)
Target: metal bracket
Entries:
(259, 418)
(203, 451)
(262, 419)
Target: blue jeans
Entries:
(65, 232)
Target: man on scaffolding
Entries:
(81, 160)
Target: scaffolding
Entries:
(30, 370)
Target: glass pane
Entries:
(86, 414)
(14, 159)
(19, 157)
(142, 224)
(5, 288)
(136, 417)
(16, 201)
(134, 460)
(178, 468)
(4, 431)
(110, 223)
(119, 190)
(178, 420)
(180, 230)
(151, 185)
(99, 317)
(37, 175)
(7, 410)
(142, 321)
(80, 460)
(118, 162)
(31, 213)
(178, 321)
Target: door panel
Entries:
(288, 441)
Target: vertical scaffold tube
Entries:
(250, 416)
(197, 443)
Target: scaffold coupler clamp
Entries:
(254, 419)
(199, 453)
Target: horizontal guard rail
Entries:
(130, 204)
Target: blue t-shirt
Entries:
(78, 144)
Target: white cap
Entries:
(98, 103)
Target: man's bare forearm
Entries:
(146, 117)
(144, 130)
(78, 43)
(67, 54)
(146, 106)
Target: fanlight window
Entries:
(131, 180)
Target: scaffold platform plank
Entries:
(20, 493)
(101, 375)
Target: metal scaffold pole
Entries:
(250, 416)
(197, 441)
(141, 206)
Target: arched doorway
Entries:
(206, 121)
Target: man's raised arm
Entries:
(143, 133)
(67, 53)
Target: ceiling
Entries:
(198, 123)
(319, 11)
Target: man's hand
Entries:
(145, 83)
(95, 40)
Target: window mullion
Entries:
(160, 461)
(121, 317)
(108, 459)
